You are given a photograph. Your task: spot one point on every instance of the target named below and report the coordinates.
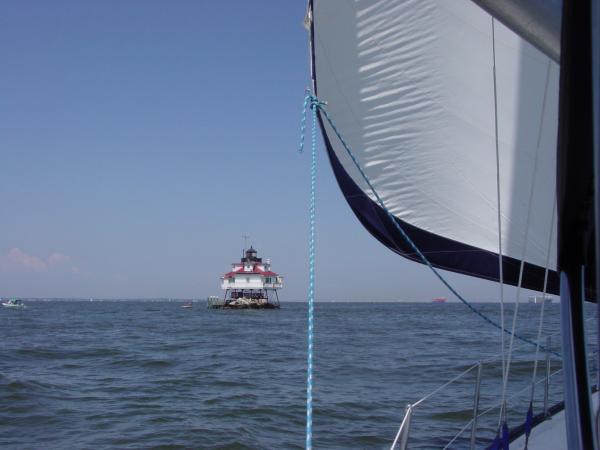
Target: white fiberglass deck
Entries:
(551, 434)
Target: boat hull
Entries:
(7, 305)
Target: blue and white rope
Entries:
(311, 257)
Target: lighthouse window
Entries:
(267, 280)
(247, 279)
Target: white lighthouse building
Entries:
(250, 284)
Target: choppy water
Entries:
(154, 375)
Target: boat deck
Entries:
(551, 434)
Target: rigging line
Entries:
(457, 435)
(439, 388)
(516, 395)
(526, 235)
(320, 106)
(542, 308)
(500, 268)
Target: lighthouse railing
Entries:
(213, 301)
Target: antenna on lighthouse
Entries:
(245, 237)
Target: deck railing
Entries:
(402, 436)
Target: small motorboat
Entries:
(13, 303)
(187, 305)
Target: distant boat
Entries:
(14, 303)
(439, 300)
(188, 305)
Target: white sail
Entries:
(410, 86)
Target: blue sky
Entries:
(140, 140)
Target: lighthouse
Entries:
(251, 284)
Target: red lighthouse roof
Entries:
(255, 270)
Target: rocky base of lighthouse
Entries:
(243, 303)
